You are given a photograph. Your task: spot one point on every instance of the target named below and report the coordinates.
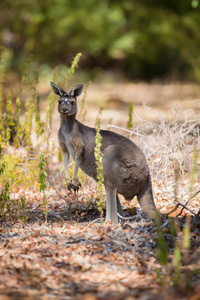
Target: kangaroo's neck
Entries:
(67, 122)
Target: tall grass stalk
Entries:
(9, 121)
(19, 135)
(194, 170)
(2, 80)
(51, 99)
(74, 65)
(43, 184)
(30, 78)
(3, 55)
(83, 111)
(130, 118)
(98, 158)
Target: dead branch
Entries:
(184, 207)
(194, 195)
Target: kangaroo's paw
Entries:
(70, 185)
(76, 186)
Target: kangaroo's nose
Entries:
(65, 110)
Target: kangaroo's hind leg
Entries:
(119, 207)
(111, 204)
(145, 198)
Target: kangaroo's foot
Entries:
(75, 185)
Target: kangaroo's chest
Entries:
(70, 146)
(74, 145)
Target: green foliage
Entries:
(21, 167)
(56, 30)
(98, 158)
(8, 208)
(195, 3)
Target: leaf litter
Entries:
(71, 257)
(66, 259)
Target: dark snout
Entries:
(64, 110)
(64, 107)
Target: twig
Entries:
(126, 218)
(61, 171)
(184, 206)
(124, 129)
(191, 197)
(194, 195)
(57, 175)
(175, 208)
(92, 222)
(56, 190)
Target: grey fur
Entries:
(125, 169)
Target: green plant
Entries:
(19, 131)
(43, 184)
(83, 111)
(30, 78)
(21, 169)
(5, 208)
(19, 206)
(130, 113)
(9, 208)
(58, 76)
(162, 248)
(98, 157)
(177, 264)
(3, 164)
(50, 107)
(194, 170)
(3, 66)
(74, 65)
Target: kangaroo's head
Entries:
(67, 102)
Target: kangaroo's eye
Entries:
(59, 101)
(72, 102)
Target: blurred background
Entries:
(130, 39)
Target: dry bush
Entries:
(169, 146)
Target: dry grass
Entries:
(165, 125)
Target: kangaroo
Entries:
(124, 167)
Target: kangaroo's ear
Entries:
(58, 90)
(76, 91)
